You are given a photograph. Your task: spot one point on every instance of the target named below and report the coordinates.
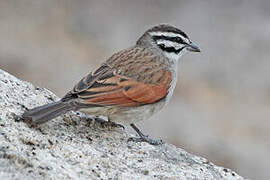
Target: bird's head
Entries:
(169, 40)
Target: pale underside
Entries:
(126, 115)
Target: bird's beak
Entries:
(193, 47)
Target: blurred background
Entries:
(221, 106)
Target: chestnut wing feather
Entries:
(119, 90)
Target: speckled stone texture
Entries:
(72, 147)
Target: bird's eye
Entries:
(161, 45)
(180, 40)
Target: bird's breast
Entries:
(172, 84)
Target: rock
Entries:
(72, 147)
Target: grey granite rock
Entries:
(72, 147)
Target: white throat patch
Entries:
(175, 57)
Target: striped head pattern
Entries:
(172, 42)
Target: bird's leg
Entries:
(144, 138)
(107, 123)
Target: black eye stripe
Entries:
(173, 39)
(171, 49)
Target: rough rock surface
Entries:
(72, 147)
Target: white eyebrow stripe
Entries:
(168, 34)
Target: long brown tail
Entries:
(46, 112)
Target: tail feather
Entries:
(42, 114)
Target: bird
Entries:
(130, 86)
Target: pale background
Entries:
(221, 106)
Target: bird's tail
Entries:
(46, 112)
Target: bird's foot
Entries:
(105, 123)
(146, 139)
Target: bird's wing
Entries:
(130, 84)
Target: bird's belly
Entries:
(126, 115)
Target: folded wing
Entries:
(112, 89)
(127, 80)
